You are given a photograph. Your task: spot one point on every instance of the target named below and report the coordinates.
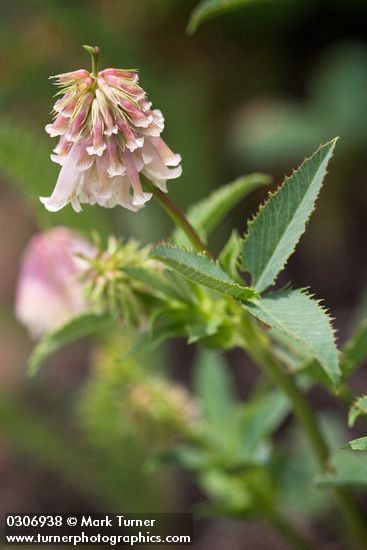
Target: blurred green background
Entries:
(254, 90)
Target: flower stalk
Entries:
(95, 54)
(178, 217)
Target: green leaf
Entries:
(229, 256)
(347, 470)
(200, 269)
(79, 327)
(155, 282)
(294, 355)
(296, 314)
(355, 350)
(313, 372)
(202, 330)
(358, 408)
(214, 388)
(359, 444)
(208, 213)
(166, 324)
(261, 416)
(228, 495)
(299, 361)
(212, 8)
(275, 231)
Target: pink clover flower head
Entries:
(108, 136)
(49, 292)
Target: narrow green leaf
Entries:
(359, 444)
(347, 470)
(355, 350)
(299, 361)
(202, 330)
(79, 327)
(229, 256)
(358, 408)
(163, 327)
(275, 231)
(155, 282)
(299, 316)
(313, 371)
(200, 269)
(261, 416)
(212, 8)
(213, 386)
(208, 213)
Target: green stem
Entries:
(95, 54)
(258, 348)
(178, 217)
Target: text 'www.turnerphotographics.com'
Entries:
(107, 529)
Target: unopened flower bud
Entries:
(48, 291)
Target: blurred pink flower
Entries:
(49, 292)
(108, 136)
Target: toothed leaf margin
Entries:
(301, 317)
(276, 229)
(198, 268)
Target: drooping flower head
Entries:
(48, 290)
(109, 135)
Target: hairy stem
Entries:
(178, 217)
(258, 348)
